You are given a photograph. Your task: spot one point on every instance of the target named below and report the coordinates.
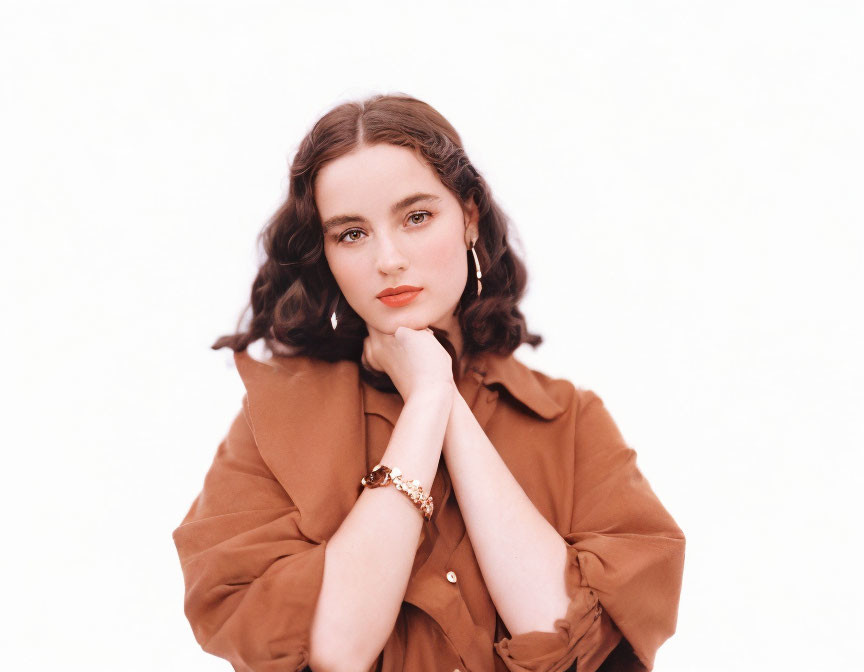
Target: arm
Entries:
(624, 553)
(253, 580)
(369, 558)
(521, 556)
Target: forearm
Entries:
(369, 558)
(521, 556)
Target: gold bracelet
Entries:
(381, 475)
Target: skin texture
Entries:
(522, 557)
(423, 244)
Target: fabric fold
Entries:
(252, 577)
(252, 545)
(626, 557)
(585, 633)
(629, 549)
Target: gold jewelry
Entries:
(381, 475)
(333, 319)
(477, 266)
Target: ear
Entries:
(472, 218)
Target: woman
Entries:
(398, 492)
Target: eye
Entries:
(421, 213)
(347, 233)
(344, 236)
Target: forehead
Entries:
(371, 179)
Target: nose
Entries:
(391, 259)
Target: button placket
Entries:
(465, 635)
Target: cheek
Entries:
(344, 268)
(449, 264)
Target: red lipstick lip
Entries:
(397, 290)
(399, 299)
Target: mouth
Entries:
(399, 297)
(397, 290)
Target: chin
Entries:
(391, 324)
(417, 323)
(419, 320)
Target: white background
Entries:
(685, 179)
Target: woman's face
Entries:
(388, 222)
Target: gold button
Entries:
(451, 577)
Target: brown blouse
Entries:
(288, 472)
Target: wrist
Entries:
(443, 392)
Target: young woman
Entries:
(398, 491)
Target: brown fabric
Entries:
(252, 545)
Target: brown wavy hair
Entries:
(294, 293)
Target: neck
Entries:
(456, 340)
(454, 335)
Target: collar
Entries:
(527, 387)
(306, 414)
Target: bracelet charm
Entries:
(382, 475)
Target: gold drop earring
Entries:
(477, 266)
(333, 319)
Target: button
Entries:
(451, 577)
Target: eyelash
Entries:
(340, 237)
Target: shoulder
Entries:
(563, 391)
(548, 396)
(293, 370)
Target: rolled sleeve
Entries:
(585, 634)
(252, 579)
(624, 569)
(629, 548)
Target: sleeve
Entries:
(251, 578)
(625, 564)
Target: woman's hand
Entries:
(414, 360)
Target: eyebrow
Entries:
(338, 220)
